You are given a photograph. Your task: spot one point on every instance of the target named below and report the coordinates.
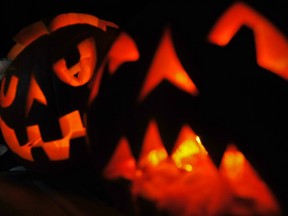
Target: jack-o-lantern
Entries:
(44, 90)
(145, 119)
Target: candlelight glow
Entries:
(123, 50)
(188, 148)
(82, 71)
(6, 99)
(153, 150)
(167, 66)
(187, 182)
(122, 163)
(71, 127)
(34, 93)
(233, 160)
(156, 156)
(271, 56)
(246, 183)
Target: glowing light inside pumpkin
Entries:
(271, 56)
(188, 147)
(233, 161)
(34, 93)
(123, 50)
(156, 156)
(71, 127)
(167, 66)
(8, 97)
(246, 183)
(122, 162)
(187, 182)
(81, 72)
(153, 150)
(188, 151)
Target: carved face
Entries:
(45, 90)
(145, 119)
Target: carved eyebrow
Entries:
(271, 56)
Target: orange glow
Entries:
(12, 141)
(27, 36)
(188, 182)
(123, 50)
(153, 151)
(233, 162)
(245, 181)
(38, 29)
(188, 147)
(63, 20)
(71, 127)
(34, 93)
(166, 65)
(154, 157)
(80, 73)
(271, 56)
(122, 162)
(7, 99)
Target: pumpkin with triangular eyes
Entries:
(168, 111)
(45, 89)
(171, 131)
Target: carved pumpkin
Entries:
(145, 119)
(45, 89)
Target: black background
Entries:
(258, 119)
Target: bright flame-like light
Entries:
(188, 146)
(233, 160)
(156, 156)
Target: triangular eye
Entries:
(77, 73)
(166, 65)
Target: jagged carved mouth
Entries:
(71, 127)
(186, 181)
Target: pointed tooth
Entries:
(153, 150)
(122, 163)
(246, 182)
(187, 149)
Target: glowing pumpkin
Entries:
(145, 119)
(45, 89)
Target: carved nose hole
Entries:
(76, 75)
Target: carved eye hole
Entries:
(8, 95)
(167, 66)
(78, 66)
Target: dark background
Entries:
(258, 119)
(17, 14)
